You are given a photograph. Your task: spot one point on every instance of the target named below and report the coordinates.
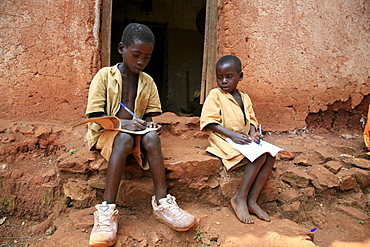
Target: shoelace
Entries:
(174, 209)
(103, 220)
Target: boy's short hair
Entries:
(136, 31)
(230, 59)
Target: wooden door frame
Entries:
(106, 29)
(209, 51)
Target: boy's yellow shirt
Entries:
(105, 92)
(221, 108)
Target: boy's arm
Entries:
(148, 117)
(236, 137)
(150, 123)
(252, 130)
(97, 94)
(255, 135)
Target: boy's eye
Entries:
(135, 55)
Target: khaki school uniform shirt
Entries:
(105, 92)
(221, 108)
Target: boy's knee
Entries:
(270, 158)
(151, 141)
(151, 136)
(262, 159)
(123, 140)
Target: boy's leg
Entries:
(165, 207)
(152, 145)
(239, 202)
(104, 232)
(257, 186)
(122, 146)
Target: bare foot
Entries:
(255, 209)
(241, 210)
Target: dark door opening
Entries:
(156, 68)
(176, 64)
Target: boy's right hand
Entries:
(240, 138)
(134, 124)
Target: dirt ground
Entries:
(334, 226)
(140, 228)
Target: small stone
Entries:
(333, 166)
(296, 177)
(359, 162)
(3, 167)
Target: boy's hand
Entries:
(240, 138)
(154, 125)
(257, 138)
(134, 124)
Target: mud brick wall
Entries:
(299, 57)
(48, 53)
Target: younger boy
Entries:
(228, 112)
(127, 83)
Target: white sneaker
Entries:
(171, 214)
(104, 232)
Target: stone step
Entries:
(193, 173)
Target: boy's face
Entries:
(227, 77)
(136, 56)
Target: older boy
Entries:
(127, 83)
(228, 112)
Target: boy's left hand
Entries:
(154, 125)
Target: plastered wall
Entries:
(49, 54)
(298, 57)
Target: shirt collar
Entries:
(117, 75)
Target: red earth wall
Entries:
(48, 56)
(298, 57)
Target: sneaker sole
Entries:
(104, 244)
(174, 228)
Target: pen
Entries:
(128, 110)
(260, 129)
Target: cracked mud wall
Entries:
(340, 116)
(48, 56)
(299, 57)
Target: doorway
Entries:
(176, 63)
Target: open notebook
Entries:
(253, 150)
(114, 123)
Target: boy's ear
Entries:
(121, 47)
(240, 76)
